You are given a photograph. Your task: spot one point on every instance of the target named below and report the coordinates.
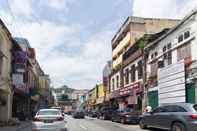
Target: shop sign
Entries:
(99, 100)
(22, 87)
(129, 90)
(19, 68)
(17, 79)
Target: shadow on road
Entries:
(153, 129)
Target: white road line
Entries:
(83, 127)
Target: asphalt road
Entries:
(91, 124)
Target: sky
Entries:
(72, 38)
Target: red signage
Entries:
(128, 90)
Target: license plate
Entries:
(48, 121)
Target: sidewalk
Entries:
(22, 125)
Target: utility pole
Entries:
(144, 60)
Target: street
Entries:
(92, 124)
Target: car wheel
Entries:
(142, 125)
(177, 126)
(122, 121)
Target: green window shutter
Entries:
(153, 99)
(190, 93)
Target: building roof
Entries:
(22, 41)
(134, 19)
(193, 12)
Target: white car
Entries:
(49, 120)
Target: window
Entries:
(186, 34)
(180, 38)
(169, 46)
(184, 52)
(25, 77)
(154, 68)
(169, 57)
(174, 108)
(117, 81)
(113, 84)
(152, 56)
(1, 63)
(127, 76)
(159, 109)
(140, 70)
(156, 54)
(133, 73)
(164, 49)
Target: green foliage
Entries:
(141, 44)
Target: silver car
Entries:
(174, 117)
(49, 120)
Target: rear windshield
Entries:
(195, 107)
(48, 113)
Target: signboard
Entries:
(171, 83)
(17, 79)
(19, 68)
(128, 90)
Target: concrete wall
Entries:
(5, 78)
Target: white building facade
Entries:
(171, 64)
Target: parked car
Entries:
(58, 108)
(79, 114)
(174, 117)
(93, 114)
(126, 117)
(105, 114)
(70, 112)
(49, 119)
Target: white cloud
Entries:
(84, 70)
(21, 7)
(162, 8)
(45, 36)
(57, 4)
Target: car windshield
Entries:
(49, 112)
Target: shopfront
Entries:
(129, 97)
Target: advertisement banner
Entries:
(17, 79)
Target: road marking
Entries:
(83, 127)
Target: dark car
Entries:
(106, 114)
(174, 117)
(69, 112)
(126, 117)
(78, 114)
(93, 114)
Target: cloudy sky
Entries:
(72, 37)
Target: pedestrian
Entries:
(148, 109)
